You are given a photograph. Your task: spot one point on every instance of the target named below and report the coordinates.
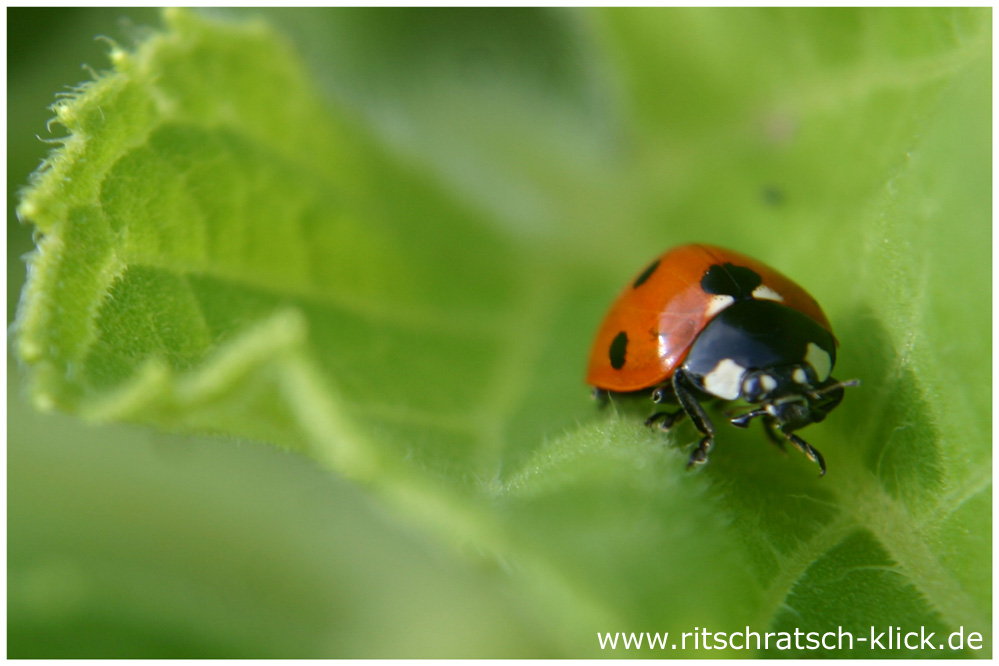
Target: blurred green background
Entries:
(123, 542)
(126, 542)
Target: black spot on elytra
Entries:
(731, 280)
(617, 350)
(646, 274)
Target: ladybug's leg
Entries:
(769, 425)
(809, 450)
(773, 434)
(742, 420)
(693, 408)
(667, 419)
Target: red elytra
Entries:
(665, 307)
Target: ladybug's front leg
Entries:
(693, 408)
(809, 450)
(773, 433)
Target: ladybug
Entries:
(702, 322)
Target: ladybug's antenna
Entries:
(815, 395)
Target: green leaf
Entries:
(384, 238)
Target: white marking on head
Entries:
(717, 304)
(724, 381)
(800, 376)
(818, 358)
(768, 382)
(765, 293)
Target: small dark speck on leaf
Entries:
(773, 195)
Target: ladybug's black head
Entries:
(791, 396)
(773, 383)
